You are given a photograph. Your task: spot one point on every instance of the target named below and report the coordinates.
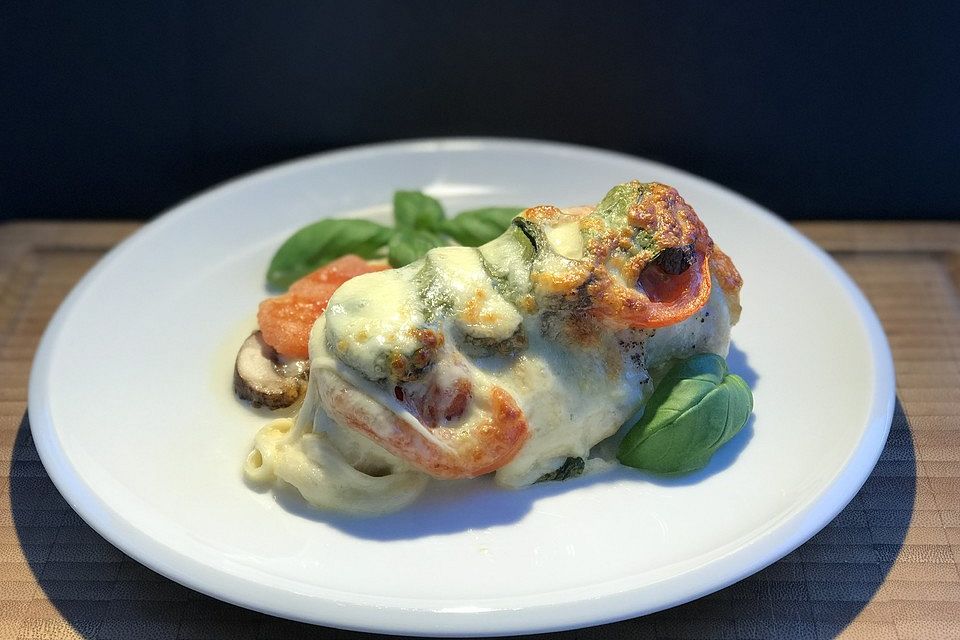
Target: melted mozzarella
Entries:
(566, 239)
(369, 316)
(572, 397)
(457, 280)
(573, 394)
(329, 466)
(575, 397)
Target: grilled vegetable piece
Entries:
(260, 376)
(286, 320)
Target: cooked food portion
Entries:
(516, 357)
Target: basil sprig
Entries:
(420, 224)
(479, 226)
(418, 219)
(409, 245)
(696, 408)
(417, 210)
(317, 244)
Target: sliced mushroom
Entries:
(263, 378)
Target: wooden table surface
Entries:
(886, 567)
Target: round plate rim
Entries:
(773, 545)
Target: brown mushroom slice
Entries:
(261, 377)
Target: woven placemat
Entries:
(886, 567)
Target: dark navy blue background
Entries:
(120, 109)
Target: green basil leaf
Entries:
(696, 408)
(479, 226)
(408, 245)
(417, 210)
(317, 244)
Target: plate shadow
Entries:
(814, 592)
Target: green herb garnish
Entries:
(420, 225)
(479, 226)
(571, 468)
(417, 210)
(696, 408)
(409, 245)
(317, 244)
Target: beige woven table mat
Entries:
(886, 567)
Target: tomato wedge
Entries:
(285, 321)
(672, 298)
(336, 272)
(652, 257)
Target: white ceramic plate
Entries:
(132, 411)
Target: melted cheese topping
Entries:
(332, 467)
(566, 239)
(575, 397)
(576, 382)
(455, 278)
(368, 320)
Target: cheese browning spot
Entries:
(543, 214)
(527, 304)
(472, 313)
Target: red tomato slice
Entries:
(338, 272)
(313, 289)
(286, 320)
(673, 298)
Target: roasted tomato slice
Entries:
(286, 320)
(466, 448)
(671, 297)
(651, 257)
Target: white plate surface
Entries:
(132, 412)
